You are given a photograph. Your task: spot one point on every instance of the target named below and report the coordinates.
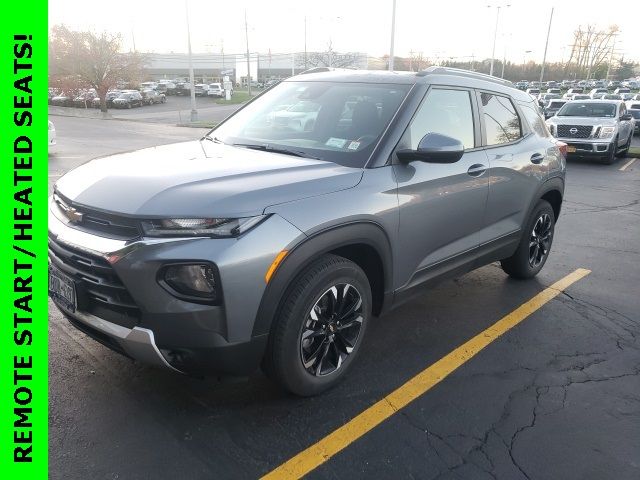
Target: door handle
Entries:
(537, 158)
(477, 169)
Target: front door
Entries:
(441, 205)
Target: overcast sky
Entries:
(450, 28)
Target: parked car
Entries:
(544, 98)
(626, 96)
(215, 90)
(85, 99)
(534, 92)
(613, 84)
(621, 90)
(522, 85)
(598, 129)
(571, 92)
(555, 90)
(633, 107)
(62, 100)
(182, 88)
(598, 91)
(201, 89)
(52, 135)
(110, 97)
(611, 96)
(128, 99)
(280, 251)
(167, 87)
(148, 86)
(580, 96)
(150, 97)
(552, 107)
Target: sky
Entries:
(439, 29)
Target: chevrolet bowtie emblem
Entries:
(73, 215)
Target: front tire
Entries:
(610, 158)
(535, 245)
(625, 150)
(319, 327)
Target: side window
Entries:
(535, 120)
(501, 120)
(447, 112)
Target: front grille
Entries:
(581, 131)
(96, 222)
(99, 290)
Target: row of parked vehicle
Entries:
(551, 100)
(125, 98)
(631, 83)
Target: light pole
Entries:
(495, 34)
(194, 112)
(393, 34)
(544, 57)
(246, 35)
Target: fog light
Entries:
(195, 280)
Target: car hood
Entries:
(200, 179)
(584, 120)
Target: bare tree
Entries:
(591, 50)
(94, 60)
(330, 58)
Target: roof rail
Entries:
(316, 70)
(462, 73)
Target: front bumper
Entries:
(587, 148)
(163, 329)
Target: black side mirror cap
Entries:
(626, 116)
(434, 148)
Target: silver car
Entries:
(600, 129)
(264, 244)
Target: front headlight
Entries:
(607, 132)
(200, 227)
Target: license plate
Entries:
(570, 149)
(62, 289)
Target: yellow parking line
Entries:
(624, 167)
(314, 456)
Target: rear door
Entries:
(518, 165)
(441, 205)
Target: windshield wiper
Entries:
(212, 139)
(269, 148)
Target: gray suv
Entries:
(267, 243)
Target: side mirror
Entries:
(626, 116)
(434, 148)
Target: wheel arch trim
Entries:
(311, 248)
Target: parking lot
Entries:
(556, 396)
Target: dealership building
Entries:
(209, 67)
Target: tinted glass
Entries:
(501, 121)
(338, 122)
(535, 121)
(447, 112)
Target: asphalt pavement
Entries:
(556, 397)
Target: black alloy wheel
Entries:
(331, 329)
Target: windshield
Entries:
(125, 96)
(588, 109)
(337, 122)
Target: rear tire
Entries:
(535, 244)
(319, 327)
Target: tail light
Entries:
(562, 147)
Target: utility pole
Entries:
(194, 112)
(544, 58)
(393, 34)
(305, 42)
(246, 35)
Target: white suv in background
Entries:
(216, 90)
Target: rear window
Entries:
(635, 106)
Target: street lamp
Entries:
(194, 112)
(495, 33)
(393, 34)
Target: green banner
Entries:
(23, 262)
